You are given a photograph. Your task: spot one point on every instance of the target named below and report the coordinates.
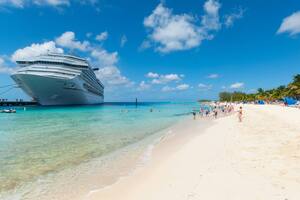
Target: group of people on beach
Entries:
(214, 111)
(217, 110)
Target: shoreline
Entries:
(85, 177)
(256, 159)
(169, 141)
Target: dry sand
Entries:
(258, 159)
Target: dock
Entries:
(18, 103)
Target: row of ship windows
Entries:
(92, 84)
(55, 69)
(50, 63)
(90, 77)
(93, 90)
(53, 72)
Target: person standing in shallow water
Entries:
(194, 114)
(240, 114)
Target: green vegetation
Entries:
(291, 90)
(204, 100)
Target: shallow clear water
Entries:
(42, 140)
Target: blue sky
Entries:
(159, 50)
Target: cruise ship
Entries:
(58, 79)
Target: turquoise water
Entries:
(42, 140)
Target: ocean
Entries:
(45, 149)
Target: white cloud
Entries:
(203, 86)
(102, 36)
(171, 77)
(231, 18)
(152, 75)
(173, 32)
(111, 76)
(290, 24)
(103, 57)
(14, 3)
(237, 85)
(163, 79)
(210, 21)
(23, 3)
(36, 49)
(68, 40)
(180, 87)
(4, 69)
(109, 73)
(123, 41)
(51, 3)
(143, 86)
(213, 76)
(1, 61)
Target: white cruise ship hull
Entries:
(51, 90)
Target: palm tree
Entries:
(279, 92)
(294, 87)
(260, 95)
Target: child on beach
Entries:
(240, 114)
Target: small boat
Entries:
(8, 111)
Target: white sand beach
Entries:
(257, 159)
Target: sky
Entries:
(153, 50)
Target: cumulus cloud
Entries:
(103, 57)
(173, 32)
(23, 3)
(36, 49)
(231, 18)
(51, 3)
(68, 40)
(168, 32)
(109, 73)
(152, 75)
(180, 87)
(123, 41)
(5, 69)
(203, 86)
(163, 79)
(237, 85)
(1, 61)
(102, 36)
(111, 76)
(143, 86)
(211, 21)
(290, 24)
(213, 76)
